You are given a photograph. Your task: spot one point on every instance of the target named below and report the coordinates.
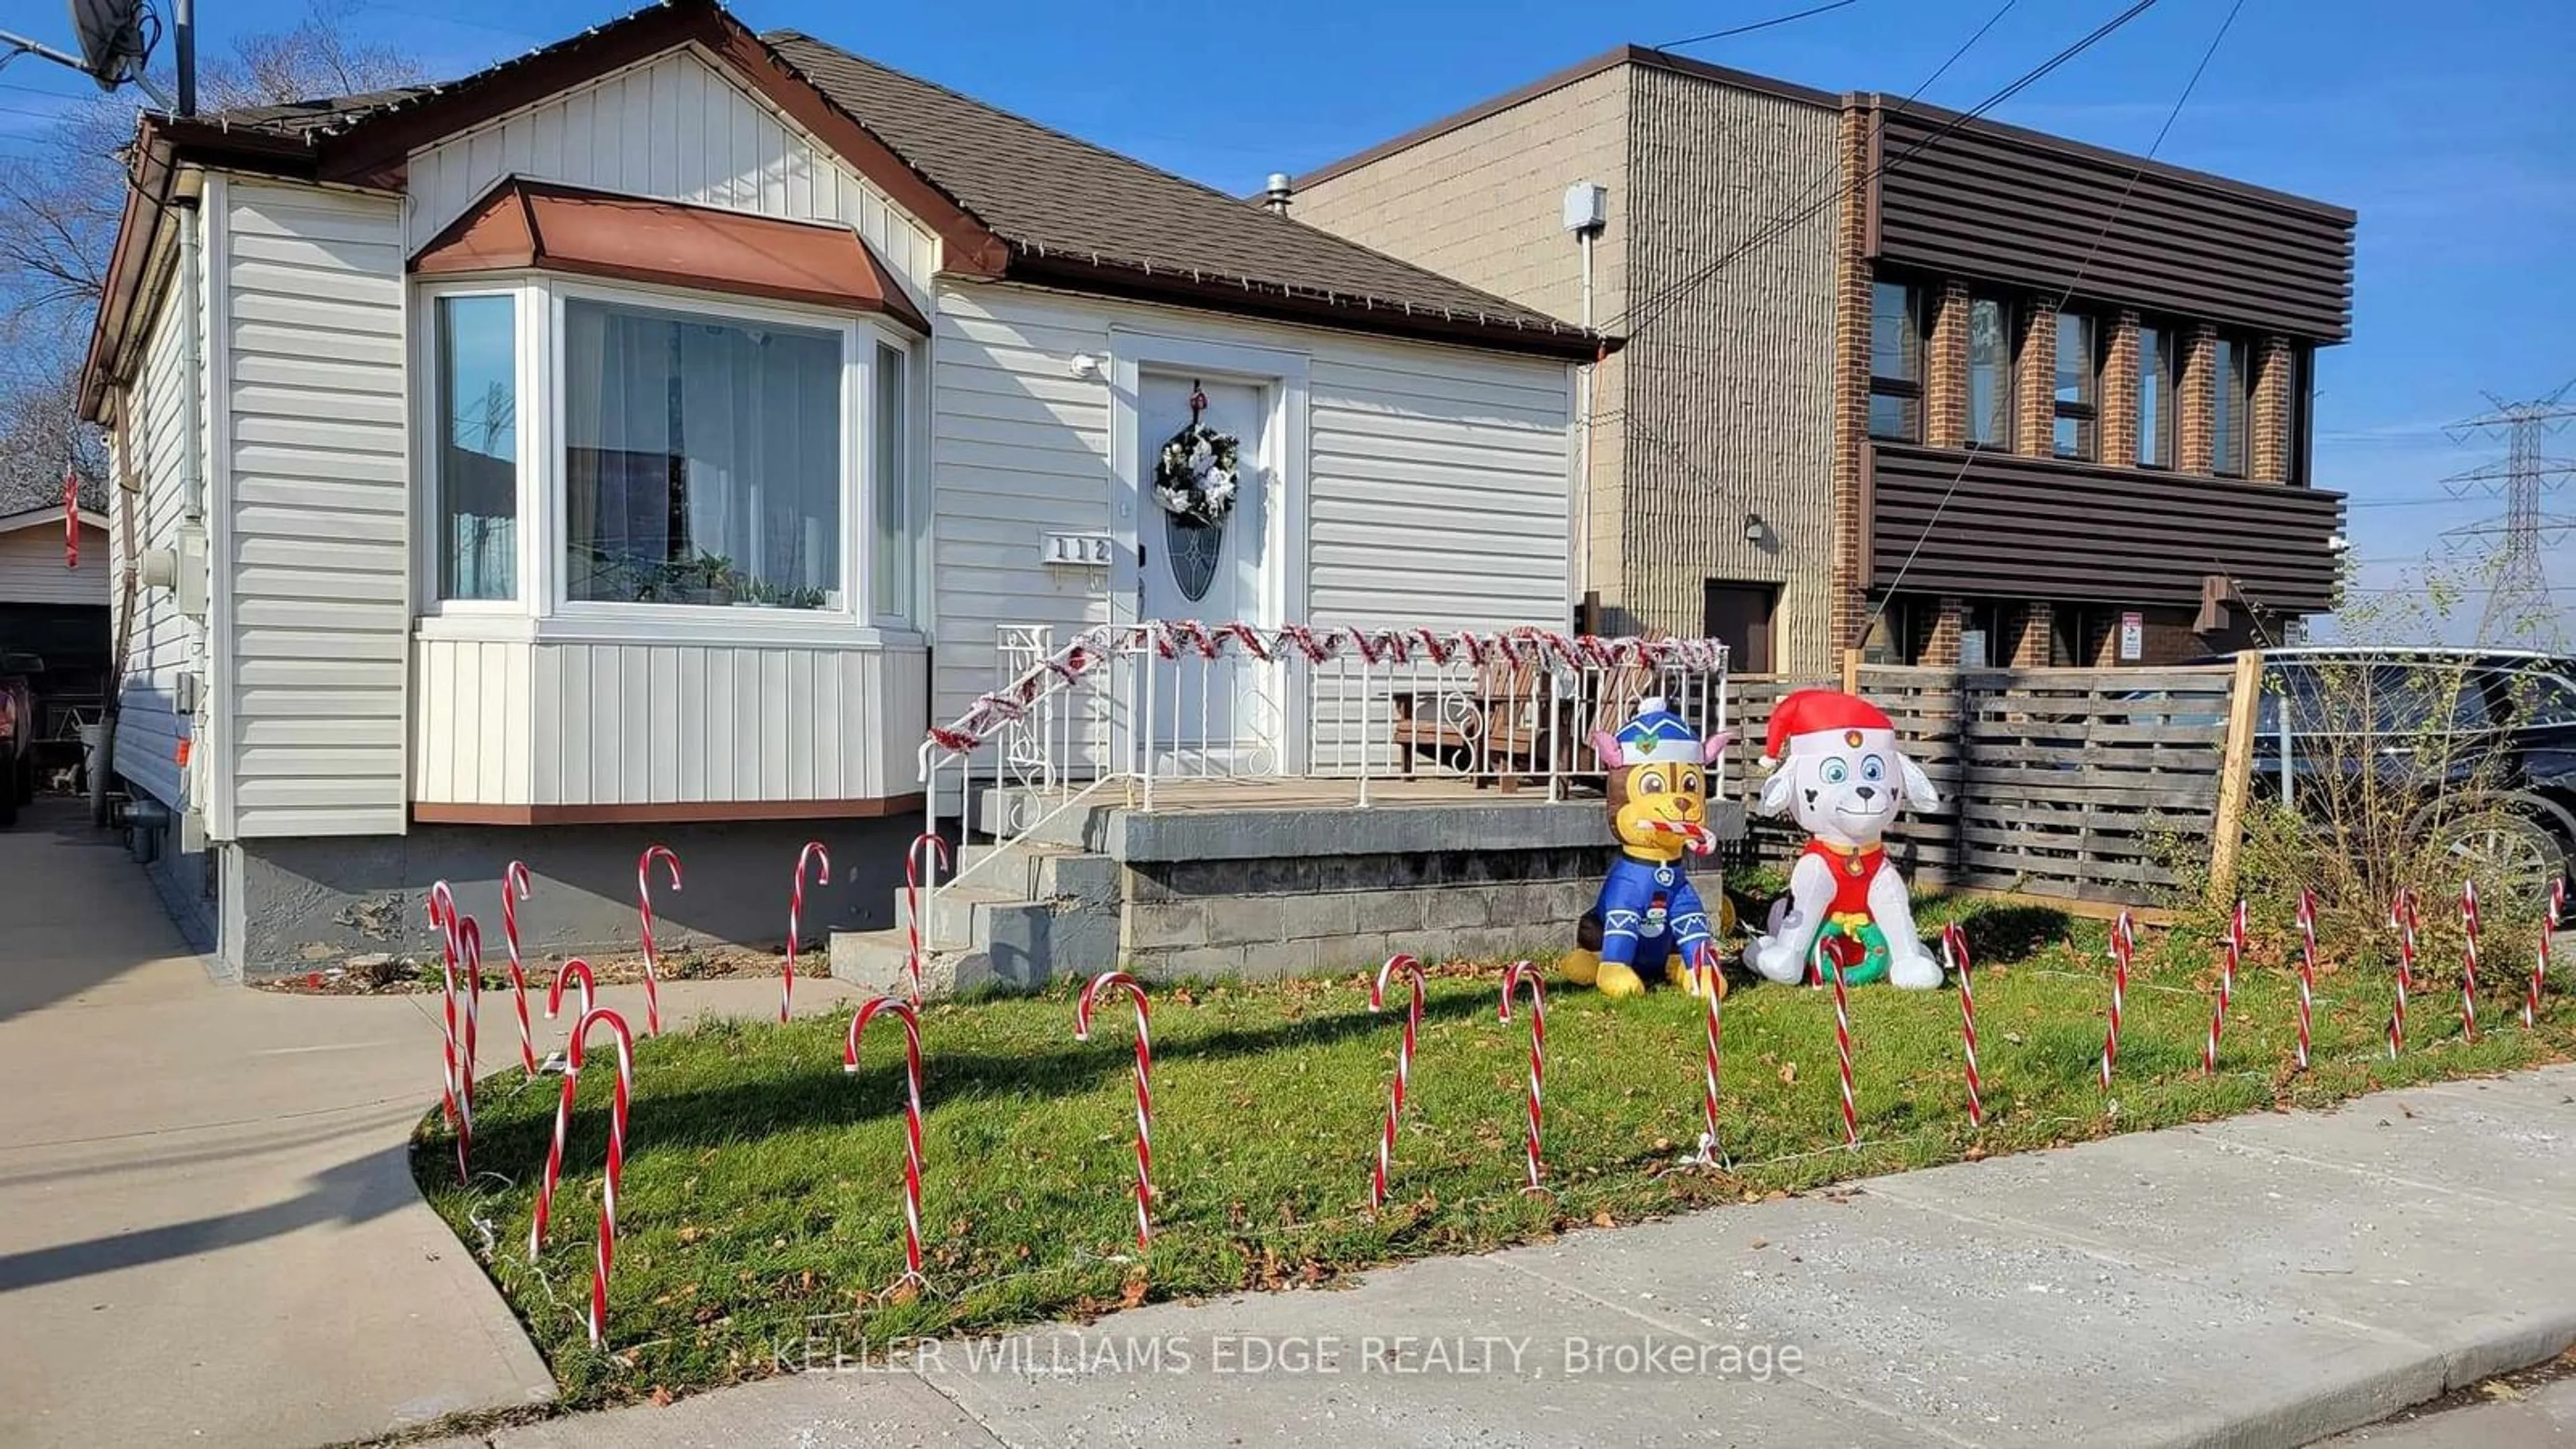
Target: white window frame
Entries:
(543, 612)
(429, 514)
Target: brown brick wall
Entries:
(1943, 647)
(1945, 370)
(1850, 602)
(2120, 394)
(2030, 648)
(2035, 381)
(2269, 459)
(2197, 426)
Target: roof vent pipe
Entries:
(1279, 193)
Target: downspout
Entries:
(1583, 441)
(192, 481)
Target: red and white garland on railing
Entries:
(1172, 638)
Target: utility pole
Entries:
(2519, 605)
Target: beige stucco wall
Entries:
(1721, 405)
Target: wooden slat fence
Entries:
(2062, 783)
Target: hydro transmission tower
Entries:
(2519, 607)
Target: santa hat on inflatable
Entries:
(1810, 721)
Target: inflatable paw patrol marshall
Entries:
(1837, 772)
(1649, 923)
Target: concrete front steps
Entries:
(1025, 915)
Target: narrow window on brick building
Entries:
(2303, 394)
(2231, 414)
(2079, 387)
(1990, 372)
(1896, 362)
(2156, 407)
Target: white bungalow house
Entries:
(650, 437)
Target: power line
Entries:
(1756, 25)
(2135, 172)
(2519, 600)
(1646, 313)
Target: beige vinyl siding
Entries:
(1435, 492)
(675, 127)
(32, 572)
(649, 724)
(316, 484)
(1729, 391)
(151, 445)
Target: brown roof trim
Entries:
(529, 224)
(1580, 71)
(1341, 313)
(149, 185)
(375, 148)
(2126, 161)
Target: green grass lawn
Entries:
(762, 1188)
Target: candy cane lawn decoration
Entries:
(2540, 955)
(576, 971)
(442, 918)
(607, 1254)
(1954, 945)
(2124, 945)
(644, 908)
(1514, 977)
(1121, 981)
(2231, 951)
(469, 949)
(514, 889)
(2403, 919)
(1704, 969)
(822, 862)
(2307, 969)
(1845, 953)
(2469, 959)
(1412, 970)
(906, 1013)
(912, 873)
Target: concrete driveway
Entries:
(208, 1230)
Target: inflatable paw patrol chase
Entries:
(1837, 772)
(1650, 923)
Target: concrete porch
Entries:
(1253, 878)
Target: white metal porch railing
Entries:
(1134, 706)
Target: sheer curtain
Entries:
(702, 459)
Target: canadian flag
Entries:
(71, 517)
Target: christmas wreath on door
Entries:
(1198, 472)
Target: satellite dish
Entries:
(115, 39)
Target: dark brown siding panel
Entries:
(1999, 204)
(1998, 524)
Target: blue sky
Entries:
(2447, 127)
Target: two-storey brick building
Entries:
(1936, 387)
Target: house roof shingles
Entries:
(1072, 214)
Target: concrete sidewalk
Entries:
(208, 1228)
(2265, 1281)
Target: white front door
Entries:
(1206, 716)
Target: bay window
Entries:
(639, 459)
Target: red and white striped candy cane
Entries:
(821, 859)
(1515, 976)
(2124, 944)
(2307, 969)
(576, 971)
(514, 889)
(2404, 920)
(469, 947)
(2540, 954)
(644, 909)
(2231, 951)
(906, 1013)
(1845, 953)
(1695, 838)
(1091, 991)
(607, 1254)
(1412, 970)
(1704, 969)
(912, 874)
(2469, 959)
(442, 918)
(1954, 945)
